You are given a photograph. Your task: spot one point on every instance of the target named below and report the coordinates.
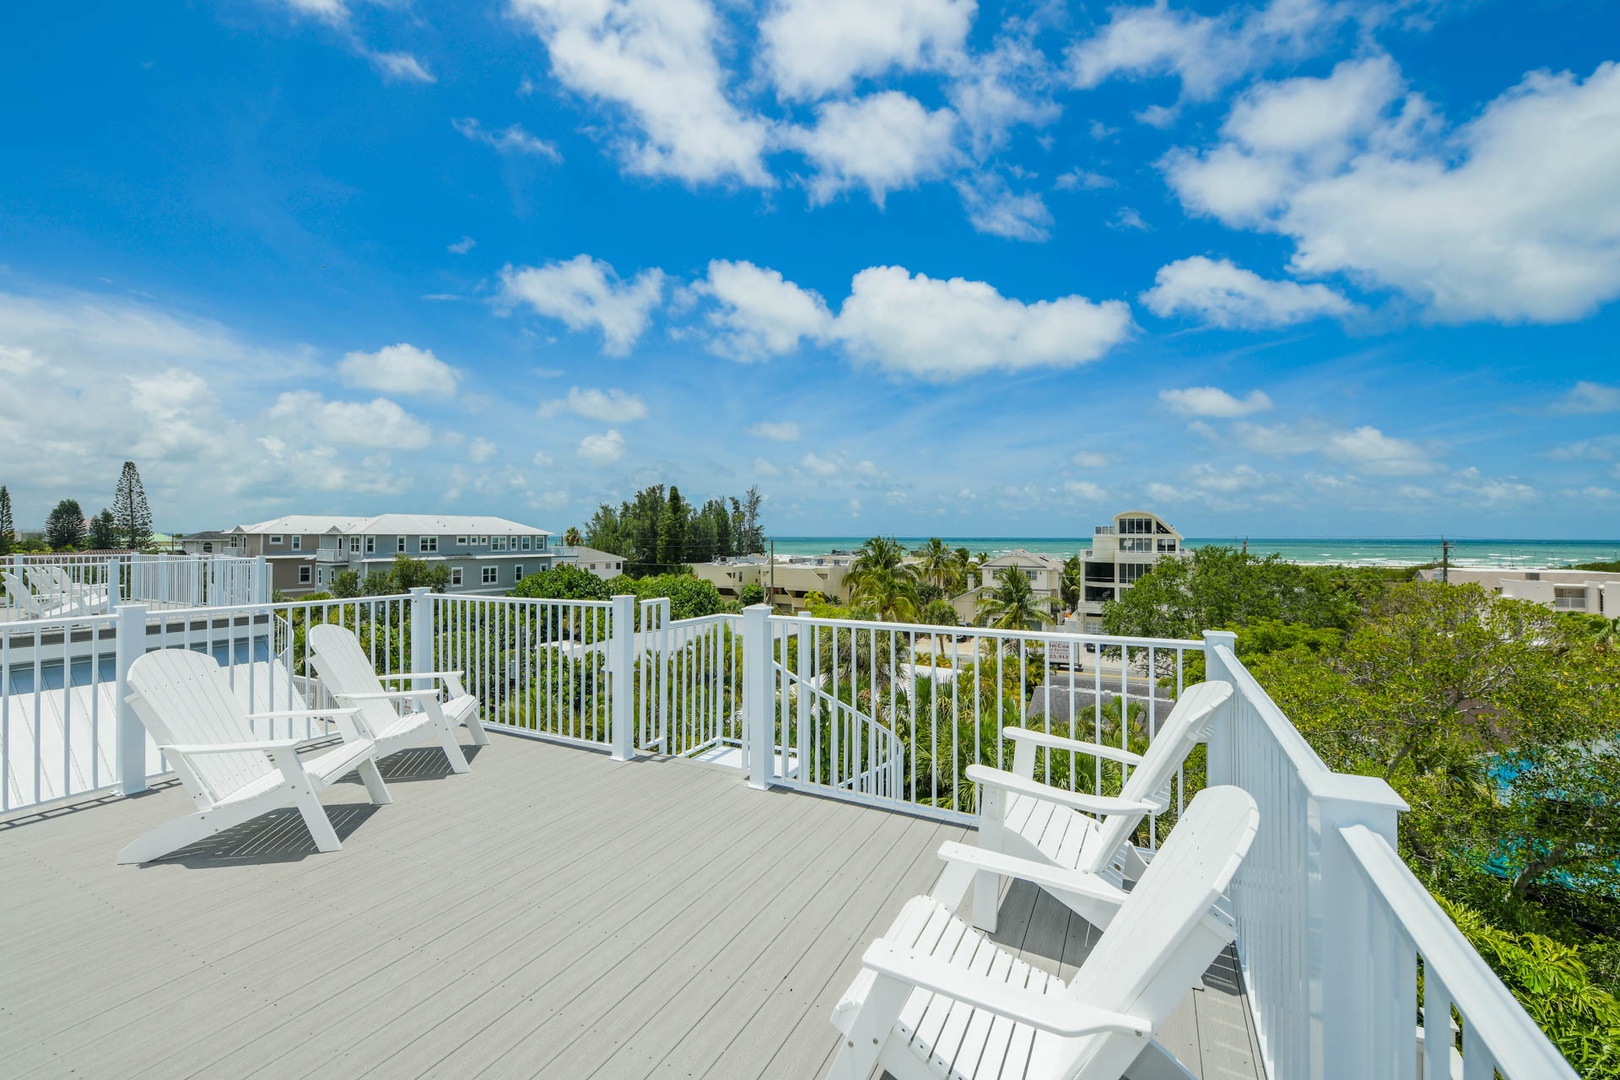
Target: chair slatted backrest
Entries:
(58, 577)
(1187, 723)
(345, 669)
(1126, 971)
(21, 596)
(185, 698)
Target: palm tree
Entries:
(1073, 583)
(881, 579)
(937, 565)
(1011, 604)
(572, 538)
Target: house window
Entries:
(1129, 572)
(526, 540)
(208, 547)
(371, 545)
(354, 544)
(517, 572)
(275, 541)
(303, 575)
(233, 541)
(455, 576)
(399, 544)
(499, 544)
(483, 541)
(298, 543)
(1030, 574)
(491, 574)
(427, 543)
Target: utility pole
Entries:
(1445, 560)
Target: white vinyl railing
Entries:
(688, 682)
(894, 713)
(1333, 929)
(52, 586)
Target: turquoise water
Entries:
(1527, 554)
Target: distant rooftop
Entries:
(394, 524)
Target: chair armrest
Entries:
(441, 676)
(1059, 1015)
(300, 714)
(268, 745)
(1043, 874)
(1077, 800)
(1079, 746)
(384, 695)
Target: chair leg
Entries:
(170, 836)
(452, 749)
(475, 727)
(320, 826)
(371, 776)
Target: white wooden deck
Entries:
(552, 914)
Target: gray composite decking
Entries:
(554, 914)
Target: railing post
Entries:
(759, 718)
(129, 644)
(1344, 1011)
(261, 582)
(1219, 767)
(621, 660)
(421, 635)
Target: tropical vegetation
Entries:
(660, 531)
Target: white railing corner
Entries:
(1222, 740)
(422, 635)
(129, 645)
(759, 714)
(621, 676)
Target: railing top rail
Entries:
(1312, 770)
(1057, 636)
(55, 623)
(722, 617)
(275, 605)
(1498, 1020)
(483, 598)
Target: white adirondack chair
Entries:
(1027, 819)
(349, 677)
(937, 998)
(188, 706)
(47, 606)
(57, 588)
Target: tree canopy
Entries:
(660, 530)
(64, 528)
(133, 516)
(8, 526)
(103, 531)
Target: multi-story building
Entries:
(787, 582)
(1594, 592)
(306, 552)
(1045, 574)
(1120, 554)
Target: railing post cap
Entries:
(1221, 637)
(420, 590)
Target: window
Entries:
(371, 545)
(461, 541)
(275, 541)
(303, 575)
(233, 541)
(1134, 543)
(455, 576)
(499, 544)
(427, 543)
(491, 574)
(298, 543)
(208, 547)
(517, 572)
(399, 544)
(354, 544)
(1167, 546)
(526, 540)
(1129, 572)
(320, 576)
(483, 541)
(1030, 574)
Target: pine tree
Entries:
(8, 527)
(103, 531)
(133, 516)
(64, 529)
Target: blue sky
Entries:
(1295, 268)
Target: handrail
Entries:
(1500, 1025)
(1062, 637)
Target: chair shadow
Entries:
(277, 837)
(416, 763)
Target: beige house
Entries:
(1045, 574)
(787, 581)
(1595, 592)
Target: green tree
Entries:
(8, 525)
(563, 582)
(938, 565)
(346, 584)
(1011, 603)
(751, 537)
(753, 593)
(672, 525)
(64, 528)
(134, 517)
(573, 537)
(103, 531)
(1072, 584)
(880, 579)
(407, 573)
(689, 597)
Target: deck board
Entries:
(554, 913)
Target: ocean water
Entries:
(1349, 551)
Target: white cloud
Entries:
(765, 469)
(946, 329)
(1084, 489)
(510, 140)
(996, 91)
(350, 423)
(543, 460)
(655, 60)
(1372, 451)
(1213, 401)
(1509, 217)
(399, 369)
(1492, 491)
(603, 449)
(882, 142)
(611, 406)
(813, 48)
(1078, 179)
(1224, 294)
(19, 361)
(1091, 459)
(780, 430)
(816, 465)
(462, 246)
(584, 292)
(332, 11)
(399, 67)
(760, 314)
(481, 450)
(1590, 397)
(994, 208)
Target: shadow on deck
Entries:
(555, 913)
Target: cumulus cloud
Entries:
(1091, 459)
(611, 406)
(1004, 88)
(816, 465)
(603, 449)
(1224, 294)
(1590, 397)
(510, 140)
(654, 60)
(946, 329)
(759, 313)
(462, 246)
(813, 48)
(585, 292)
(1366, 448)
(1215, 402)
(1084, 489)
(399, 67)
(351, 423)
(481, 450)
(882, 142)
(399, 369)
(994, 208)
(1509, 217)
(780, 430)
